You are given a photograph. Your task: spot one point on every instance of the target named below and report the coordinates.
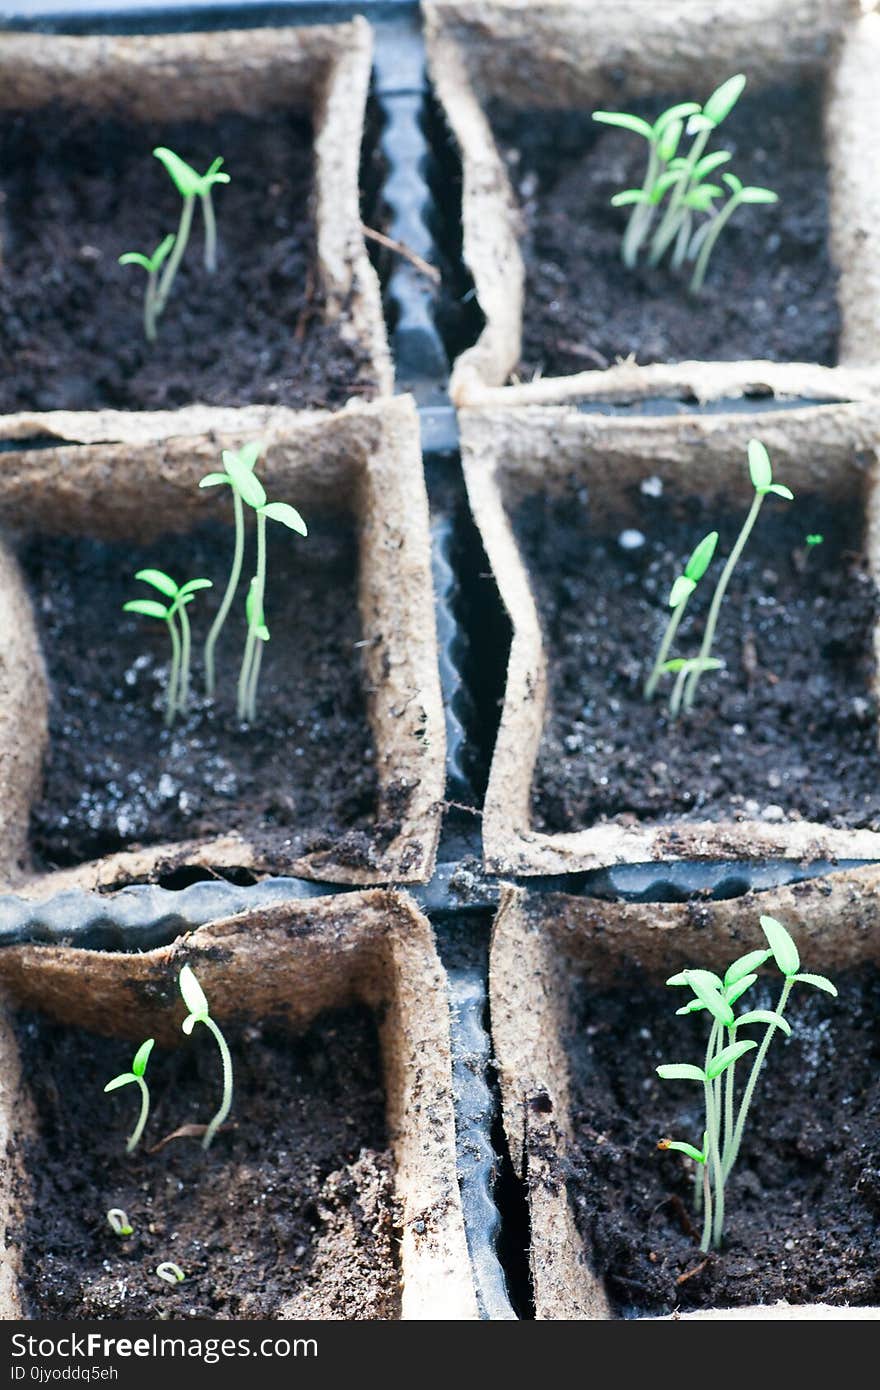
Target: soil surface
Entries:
(787, 730)
(77, 193)
(803, 1201)
(302, 778)
(770, 289)
(291, 1212)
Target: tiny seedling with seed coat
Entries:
(195, 1000)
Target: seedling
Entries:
(761, 474)
(258, 633)
(190, 186)
(238, 475)
(170, 1272)
(683, 181)
(119, 1223)
(724, 1122)
(810, 543)
(197, 1003)
(682, 667)
(181, 641)
(135, 1077)
(679, 597)
(152, 265)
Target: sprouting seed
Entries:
(679, 598)
(135, 1077)
(197, 1003)
(170, 1272)
(152, 265)
(119, 1223)
(181, 641)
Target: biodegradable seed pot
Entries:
(581, 1018)
(329, 1192)
(587, 522)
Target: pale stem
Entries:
(709, 241)
(174, 676)
(255, 678)
(210, 232)
(677, 690)
(142, 1118)
(185, 650)
(753, 1079)
(718, 596)
(681, 242)
(707, 1207)
(663, 650)
(226, 1103)
(728, 1106)
(173, 263)
(257, 656)
(642, 214)
(714, 1157)
(671, 219)
(244, 675)
(231, 587)
(150, 307)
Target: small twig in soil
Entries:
(401, 249)
(581, 350)
(305, 312)
(697, 1269)
(192, 1131)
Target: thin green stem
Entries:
(663, 649)
(707, 1207)
(226, 1103)
(728, 1107)
(229, 595)
(150, 307)
(681, 241)
(138, 1130)
(210, 232)
(185, 653)
(714, 1157)
(247, 696)
(753, 1079)
(174, 675)
(259, 598)
(709, 241)
(677, 691)
(642, 214)
(672, 217)
(254, 681)
(173, 263)
(718, 596)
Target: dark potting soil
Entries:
(77, 193)
(301, 778)
(803, 1202)
(291, 1212)
(787, 730)
(770, 288)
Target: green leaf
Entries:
(727, 1056)
(680, 1071)
(212, 176)
(709, 163)
(760, 470)
(214, 480)
(124, 1080)
(733, 183)
(681, 112)
(193, 586)
(628, 197)
(666, 181)
(733, 992)
(684, 977)
(711, 996)
(193, 994)
(679, 1147)
(700, 199)
(758, 195)
(781, 491)
(724, 98)
(159, 580)
(142, 1056)
(620, 118)
(785, 953)
(669, 140)
(245, 482)
(287, 515)
(765, 1016)
(163, 251)
(693, 663)
(744, 965)
(818, 982)
(135, 258)
(681, 591)
(692, 1007)
(701, 558)
(248, 455)
(698, 123)
(147, 607)
(187, 182)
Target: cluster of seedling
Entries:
(163, 265)
(726, 1113)
(247, 491)
(689, 670)
(677, 190)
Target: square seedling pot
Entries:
(292, 315)
(498, 59)
(359, 688)
(386, 1234)
(579, 1014)
(558, 497)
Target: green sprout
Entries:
(119, 1223)
(136, 1077)
(683, 181)
(190, 186)
(811, 542)
(258, 633)
(181, 642)
(152, 265)
(682, 667)
(761, 474)
(239, 476)
(679, 597)
(197, 1003)
(170, 1272)
(724, 1121)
